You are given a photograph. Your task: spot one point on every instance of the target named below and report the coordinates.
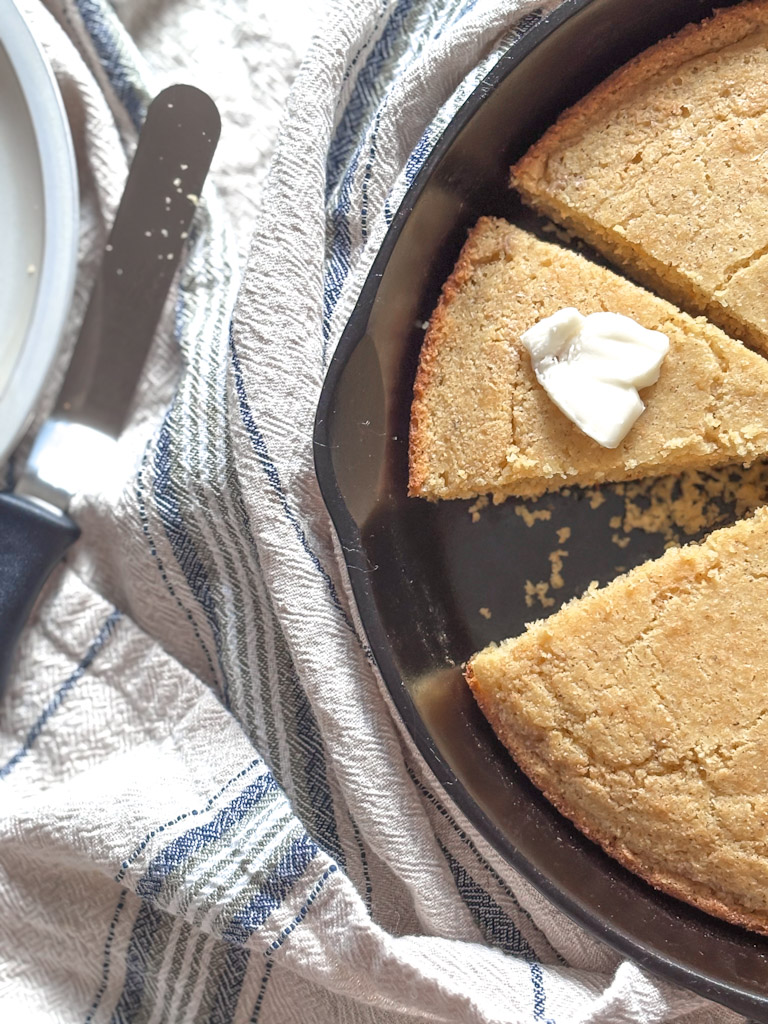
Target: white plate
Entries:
(39, 216)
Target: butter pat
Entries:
(591, 367)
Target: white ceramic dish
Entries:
(39, 214)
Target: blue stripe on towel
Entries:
(314, 893)
(182, 545)
(229, 985)
(539, 995)
(496, 925)
(141, 505)
(488, 868)
(272, 891)
(336, 266)
(196, 839)
(319, 810)
(53, 705)
(148, 922)
(271, 471)
(106, 960)
(460, 13)
(121, 74)
(364, 97)
(144, 842)
(413, 165)
(499, 929)
(265, 892)
(262, 992)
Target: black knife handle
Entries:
(33, 540)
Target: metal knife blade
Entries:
(141, 256)
(78, 442)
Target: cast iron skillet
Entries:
(421, 572)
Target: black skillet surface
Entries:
(421, 572)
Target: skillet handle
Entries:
(33, 539)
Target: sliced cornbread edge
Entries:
(677, 886)
(540, 774)
(526, 485)
(725, 27)
(462, 271)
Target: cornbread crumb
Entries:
(477, 506)
(538, 592)
(556, 575)
(531, 516)
(639, 723)
(485, 612)
(679, 507)
(563, 534)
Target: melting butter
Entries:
(592, 366)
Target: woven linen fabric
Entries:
(209, 811)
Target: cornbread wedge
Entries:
(663, 168)
(481, 423)
(641, 712)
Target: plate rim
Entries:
(56, 277)
(349, 537)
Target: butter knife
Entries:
(76, 446)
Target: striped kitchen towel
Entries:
(208, 810)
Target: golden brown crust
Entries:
(726, 26)
(433, 339)
(642, 168)
(482, 424)
(537, 772)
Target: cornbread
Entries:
(663, 168)
(482, 424)
(676, 507)
(641, 712)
